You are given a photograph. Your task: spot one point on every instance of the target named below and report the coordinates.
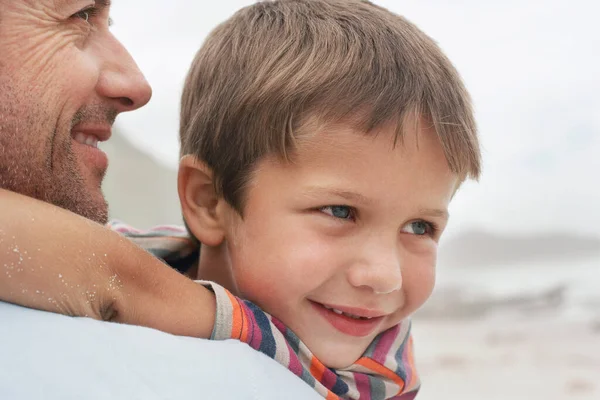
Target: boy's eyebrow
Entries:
(345, 194)
(435, 213)
(359, 198)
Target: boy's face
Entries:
(351, 224)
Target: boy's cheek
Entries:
(423, 247)
(417, 287)
(418, 283)
(287, 271)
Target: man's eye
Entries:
(341, 212)
(86, 14)
(420, 228)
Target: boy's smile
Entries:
(340, 243)
(350, 320)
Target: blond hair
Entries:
(272, 65)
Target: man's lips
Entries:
(87, 137)
(88, 140)
(83, 132)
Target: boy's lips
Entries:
(350, 320)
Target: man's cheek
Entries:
(49, 46)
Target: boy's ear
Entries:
(200, 205)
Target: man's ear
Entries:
(202, 208)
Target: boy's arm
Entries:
(54, 260)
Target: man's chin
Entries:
(89, 201)
(89, 204)
(98, 209)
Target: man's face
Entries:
(350, 225)
(63, 80)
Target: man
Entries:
(64, 78)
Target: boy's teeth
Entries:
(345, 314)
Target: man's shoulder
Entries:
(87, 359)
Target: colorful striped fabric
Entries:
(385, 371)
(167, 242)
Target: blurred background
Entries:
(516, 311)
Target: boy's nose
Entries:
(381, 272)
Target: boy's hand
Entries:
(54, 260)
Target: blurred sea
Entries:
(568, 290)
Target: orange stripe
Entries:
(317, 369)
(381, 370)
(411, 361)
(244, 327)
(237, 317)
(331, 396)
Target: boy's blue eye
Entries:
(341, 212)
(419, 228)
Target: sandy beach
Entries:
(508, 357)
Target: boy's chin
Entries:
(338, 354)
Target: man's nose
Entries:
(120, 79)
(378, 269)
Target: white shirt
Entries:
(50, 356)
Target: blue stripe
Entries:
(340, 388)
(401, 369)
(377, 387)
(267, 344)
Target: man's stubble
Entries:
(36, 157)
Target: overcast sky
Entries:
(531, 67)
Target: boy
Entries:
(322, 142)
